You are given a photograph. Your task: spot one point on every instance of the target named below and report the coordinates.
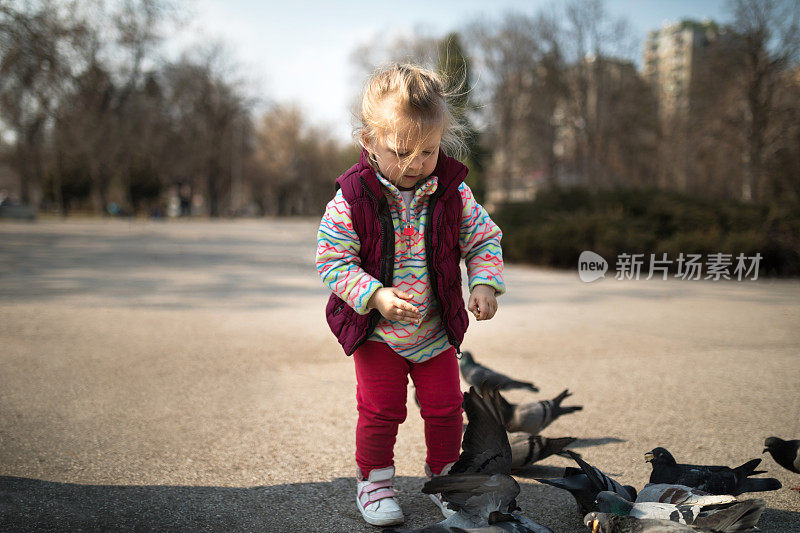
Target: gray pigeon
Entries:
(527, 449)
(727, 518)
(611, 523)
(476, 374)
(678, 494)
(586, 482)
(785, 452)
(533, 417)
(711, 479)
(478, 486)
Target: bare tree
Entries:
(35, 75)
(519, 68)
(596, 47)
(295, 164)
(769, 43)
(206, 106)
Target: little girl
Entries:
(389, 247)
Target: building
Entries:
(674, 56)
(684, 64)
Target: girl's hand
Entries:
(394, 304)
(482, 302)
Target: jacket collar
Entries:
(449, 172)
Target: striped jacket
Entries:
(338, 263)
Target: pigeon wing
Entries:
(485, 447)
(579, 486)
(475, 495)
(600, 480)
(740, 516)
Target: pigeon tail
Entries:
(758, 485)
(558, 410)
(558, 482)
(556, 446)
(563, 453)
(747, 469)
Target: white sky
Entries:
(299, 52)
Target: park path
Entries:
(179, 375)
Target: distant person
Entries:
(185, 199)
(389, 247)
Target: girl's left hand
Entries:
(482, 302)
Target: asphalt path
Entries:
(179, 376)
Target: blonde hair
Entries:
(409, 101)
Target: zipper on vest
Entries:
(433, 279)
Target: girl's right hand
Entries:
(394, 304)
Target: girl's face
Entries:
(400, 165)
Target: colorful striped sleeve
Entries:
(338, 262)
(479, 240)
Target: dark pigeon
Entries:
(476, 375)
(711, 479)
(533, 417)
(586, 482)
(785, 452)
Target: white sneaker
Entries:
(375, 498)
(437, 498)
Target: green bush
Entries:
(559, 224)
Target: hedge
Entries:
(559, 224)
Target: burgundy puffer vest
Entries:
(372, 223)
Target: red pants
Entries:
(382, 377)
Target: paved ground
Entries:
(180, 376)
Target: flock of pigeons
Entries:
(501, 437)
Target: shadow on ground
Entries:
(36, 505)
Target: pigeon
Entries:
(679, 494)
(533, 417)
(711, 479)
(785, 452)
(586, 482)
(478, 486)
(611, 523)
(476, 374)
(526, 449)
(729, 517)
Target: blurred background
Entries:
(653, 127)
